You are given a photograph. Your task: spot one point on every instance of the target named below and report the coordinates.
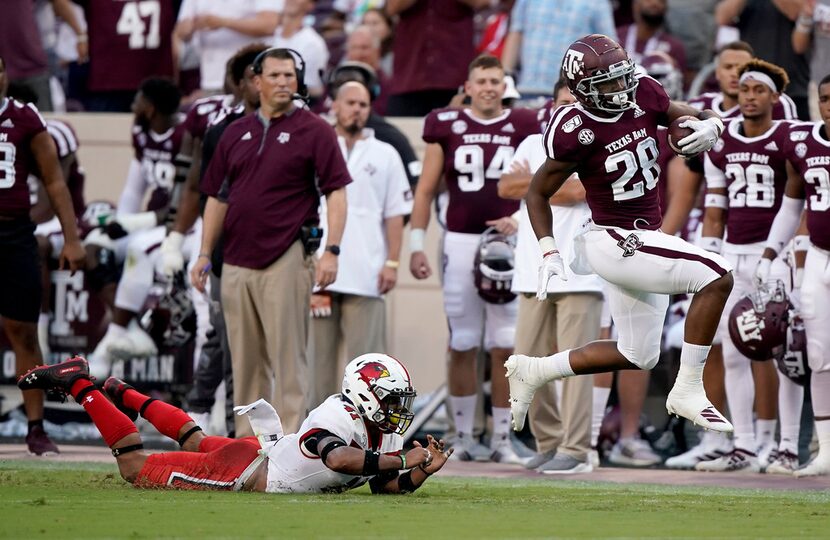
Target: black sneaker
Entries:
(114, 388)
(58, 378)
(39, 443)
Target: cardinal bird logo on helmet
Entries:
(371, 372)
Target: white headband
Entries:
(760, 77)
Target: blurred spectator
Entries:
(768, 27)
(384, 131)
(352, 312)
(812, 35)
(221, 28)
(293, 34)
(648, 33)
(363, 46)
(699, 38)
(433, 47)
(349, 13)
(128, 42)
(540, 33)
(383, 27)
(494, 28)
(22, 48)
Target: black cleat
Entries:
(114, 388)
(57, 378)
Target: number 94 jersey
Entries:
(616, 157)
(476, 153)
(754, 172)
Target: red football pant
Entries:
(218, 464)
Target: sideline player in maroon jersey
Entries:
(25, 146)
(745, 177)
(611, 141)
(472, 147)
(808, 154)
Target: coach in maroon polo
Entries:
(262, 187)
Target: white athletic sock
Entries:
(823, 436)
(790, 399)
(740, 395)
(600, 402)
(463, 413)
(501, 423)
(557, 366)
(692, 360)
(714, 439)
(765, 431)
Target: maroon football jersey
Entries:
(476, 152)
(617, 157)
(129, 40)
(753, 171)
(807, 148)
(204, 112)
(66, 141)
(156, 152)
(783, 110)
(19, 123)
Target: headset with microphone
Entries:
(299, 68)
(353, 71)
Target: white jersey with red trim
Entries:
(293, 469)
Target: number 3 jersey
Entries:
(808, 151)
(476, 153)
(754, 172)
(19, 124)
(616, 157)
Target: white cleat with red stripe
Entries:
(688, 399)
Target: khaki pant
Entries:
(563, 321)
(357, 325)
(266, 313)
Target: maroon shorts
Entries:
(218, 464)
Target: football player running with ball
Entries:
(352, 438)
(610, 139)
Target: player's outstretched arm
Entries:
(409, 481)
(684, 185)
(545, 183)
(46, 156)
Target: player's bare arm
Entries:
(326, 271)
(438, 456)
(425, 193)
(213, 219)
(547, 181)
(394, 237)
(514, 184)
(684, 185)
(46, 156)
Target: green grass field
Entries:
(69, 500)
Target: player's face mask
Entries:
(611, 90)
(398, 413)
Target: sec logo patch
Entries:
(586, 136)
(459, 127)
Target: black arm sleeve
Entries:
(378, 481)
(312, 441)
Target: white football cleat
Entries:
(786, 463)
(688, 399)
(738, 460)
(705, 451)
(135, 343)
(100, 362)
(524, 378)
(818, 467)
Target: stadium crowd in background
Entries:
(218, 118)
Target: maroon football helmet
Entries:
(663, 68)
(600, 74)
(758, 322)
(494, 266)
(168, 314)
(792, 362)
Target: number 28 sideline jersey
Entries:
(809, 153)
(754, 172)
(476, 153)
(292, 469)
(19, 124)
(617, 157)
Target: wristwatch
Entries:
(334, 249)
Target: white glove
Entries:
(703, 139)
(172, 260)
(762, 271)
(265, 422)
(552, 265)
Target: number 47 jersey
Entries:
(616, 157)
(476, 153)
